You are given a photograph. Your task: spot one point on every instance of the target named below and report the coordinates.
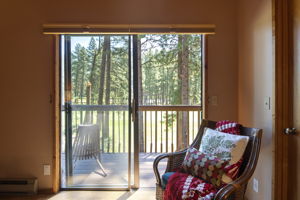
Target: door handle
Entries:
(68, 107)
(133, 111)
(290, 131)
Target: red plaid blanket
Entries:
(184, 186)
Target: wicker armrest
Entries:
(241, 182)
(174, 162)
(234, 186)
(225, 192)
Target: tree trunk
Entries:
(76, 84)
(82, 89)
(91, 85)
(183, 76)
(87, 119)
(185, 71)
(101, 85)
(92, 79)
(102, 70)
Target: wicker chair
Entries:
(234, 190)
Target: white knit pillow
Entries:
(224, 146)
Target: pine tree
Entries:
(92, 53)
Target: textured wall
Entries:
(27, 58)
(255, 66)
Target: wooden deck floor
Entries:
(88, 174)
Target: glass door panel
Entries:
(170, 96)
(105, 78)
(97, 94)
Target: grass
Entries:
(153, 126)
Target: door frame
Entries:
(282, 94)
(56, 119)
(55, 100)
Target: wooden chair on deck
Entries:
(87, 144)
(234, 190)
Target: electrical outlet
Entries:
(47, 170)
(255, 185)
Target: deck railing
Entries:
(168, 128)
(161, 128)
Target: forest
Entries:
(170, 73)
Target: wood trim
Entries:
(128, 28)
(45, 192)
(56, 115)
(282, 93)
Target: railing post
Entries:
(167, 129)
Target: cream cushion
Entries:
(224, 146)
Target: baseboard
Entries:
(45, 191)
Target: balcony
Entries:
(162, 129)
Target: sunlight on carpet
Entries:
(143, 194)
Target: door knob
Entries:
(290, 131)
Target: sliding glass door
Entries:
(170, 96)
(96, 125)
(125, 100)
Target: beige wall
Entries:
(255, 65)
(26, 140)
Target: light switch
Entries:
(267, 103)
(213, 100)
(47, 170)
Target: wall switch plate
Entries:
(213, 100)
(47, 170)
(267, 103)
(255, 185)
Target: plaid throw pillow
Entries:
(205, 166)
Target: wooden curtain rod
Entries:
(129, 29)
